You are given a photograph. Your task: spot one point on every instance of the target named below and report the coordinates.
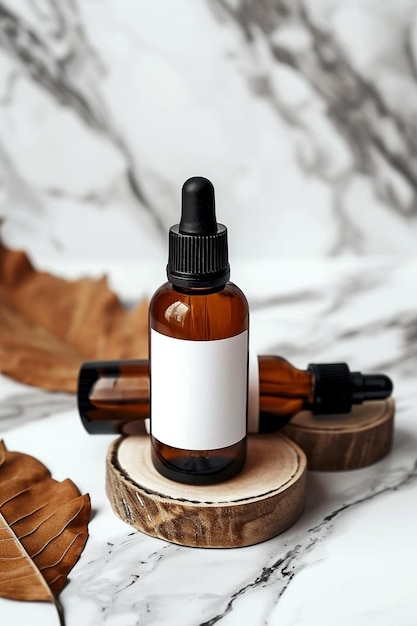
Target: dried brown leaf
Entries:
(43, 528)
(49, 325)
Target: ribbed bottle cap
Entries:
(198, 251)
(332, 389)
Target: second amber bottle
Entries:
(198, 346)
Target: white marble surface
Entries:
(351, 557)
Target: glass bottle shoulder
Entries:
(199, 314)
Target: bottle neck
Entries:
(198, 291)
(283, 391)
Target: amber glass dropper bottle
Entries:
(113, 396)
(198, 347)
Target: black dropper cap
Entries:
(198, 253)
(336, 388)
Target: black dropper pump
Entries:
(198, 216)
(337, 388)
(198, 251)
(370, 387)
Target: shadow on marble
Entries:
(404, 442)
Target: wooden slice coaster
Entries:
(263, 500)
(344, 442)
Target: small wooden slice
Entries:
(263, 500)
(344, 442)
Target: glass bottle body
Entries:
(113, 396)
(197, 315)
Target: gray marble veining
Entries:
(302, 113)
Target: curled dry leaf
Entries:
(43, 528)
(49, 325)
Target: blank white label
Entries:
(199, 391)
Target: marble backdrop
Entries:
(302, 113)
